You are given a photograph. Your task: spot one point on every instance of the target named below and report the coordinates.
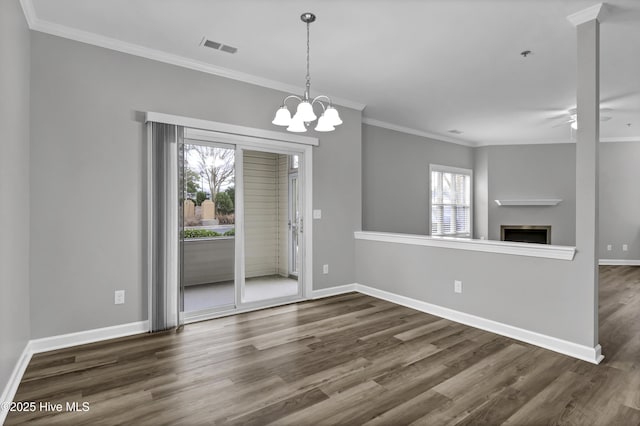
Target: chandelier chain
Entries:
(308, 75)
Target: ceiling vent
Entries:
(455, 131)
(218, 46)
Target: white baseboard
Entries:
(620, 262)
(333, 291)
(45, 344)
(585, 353)
(11, 387)
(89, 336)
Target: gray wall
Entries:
(395, 169)
(87, 169)
(532, 171)
(14, 186)
(620, 200)
(540, 295)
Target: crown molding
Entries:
(408, 130)
(529, 142)
(29, 12)
(596, 11)
(621, 139)
(558, 141)
(43, 26)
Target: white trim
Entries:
(88, 336)
(10, 389)
(529, 142)
(306, 174)
(410, 131)
(87, 37)
(150, 223)
(231, 129)
(236, 311)
(29, 14)
(620, 262)
(489, 246)
(530, 202)
(46, 344)
(597, 11)
(585, 353)
(449, 169)
(613, 139)
(332, 291)
(620, 139)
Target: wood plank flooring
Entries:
(349, 360)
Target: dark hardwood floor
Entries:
(349, 359)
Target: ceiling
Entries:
(427, 66)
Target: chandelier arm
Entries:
(290, 97)
(316, 100)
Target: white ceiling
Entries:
(430, 66)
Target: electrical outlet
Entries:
(325, 269)
(119, 297)
(625, 247)
(609, 247)
(457, 286)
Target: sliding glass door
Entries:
(241, 224)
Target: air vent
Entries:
(455, 131)
(212, 44)
(228, 49)
(218, 46)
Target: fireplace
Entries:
(537, 234)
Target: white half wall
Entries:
(538, 295)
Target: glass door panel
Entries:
(268, 228)
(208, 247)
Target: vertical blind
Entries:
(164, 292)
(450, 202)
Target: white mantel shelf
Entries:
(529, 202)
(487, 246)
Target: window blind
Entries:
(450, 202)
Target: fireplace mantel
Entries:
(529, 202)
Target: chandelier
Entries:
(304, 115)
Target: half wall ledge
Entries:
(487, 246)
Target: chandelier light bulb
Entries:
(297, 125)
(332, 115)
(324, 124)
(305, 111)
(283, 117)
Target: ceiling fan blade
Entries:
(564, 123)
(618, 98)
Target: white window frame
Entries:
(458, 170)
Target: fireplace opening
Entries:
(535, 234)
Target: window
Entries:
(450, 201)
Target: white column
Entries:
(587, 156)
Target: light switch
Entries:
(317, 214)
